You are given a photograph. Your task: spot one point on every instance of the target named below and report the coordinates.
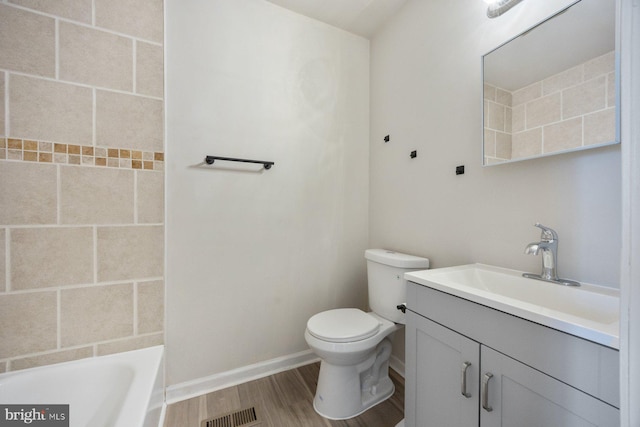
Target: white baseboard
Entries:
(397, 365)
(200, 386)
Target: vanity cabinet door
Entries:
(442, 369)
(517, 395)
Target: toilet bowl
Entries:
(355, 361)
(354, 346)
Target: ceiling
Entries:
(362, 17)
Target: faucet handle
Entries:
(547, 233)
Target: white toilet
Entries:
(355, 346)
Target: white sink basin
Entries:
(590, 312)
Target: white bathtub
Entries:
(119, 390)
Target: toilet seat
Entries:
(343, 325)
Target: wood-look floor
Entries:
(283, 400)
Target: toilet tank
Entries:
(387, 286)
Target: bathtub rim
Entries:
(147, 383)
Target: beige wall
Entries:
(428, 97)
(82, 179)
(252, 254)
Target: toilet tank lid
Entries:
(396, 259)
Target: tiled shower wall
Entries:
(572, 109)
(81, 179)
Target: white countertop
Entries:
(590, 312)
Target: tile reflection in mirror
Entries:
(543, 97)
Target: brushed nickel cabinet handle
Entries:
(463, 382)
(485, 392)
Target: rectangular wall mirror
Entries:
(554, 88)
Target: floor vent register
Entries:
(244, 417)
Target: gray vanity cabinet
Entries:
(456, 378)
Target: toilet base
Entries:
(344, 392)
(368, 401)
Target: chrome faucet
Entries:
(548, 244)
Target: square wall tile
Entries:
(51, 358)
(150, 197)
(563, 80)
(95, 57)
(149, 69)
(133, 252)
(489, 92)
(128, 344)
(504, 97)
(599, 66)
(29, 323)
(2, 92)
(496, 116)
(485, 113)
(526, 94)
(489, 142)
(3, 255)
(518, 118)
(129, 121)
(96, 195)
(97, 313)
(150, 307)
(600, 127)
(28, 193)
(585, 98)
(143, 19)
(611, 90)
(42, 257)
(562, 136)
(543, 111)
(526, 144)
(77, 10)
(503, 145)
(50, 111)
(27, 42)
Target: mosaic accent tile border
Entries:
(85, 155)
